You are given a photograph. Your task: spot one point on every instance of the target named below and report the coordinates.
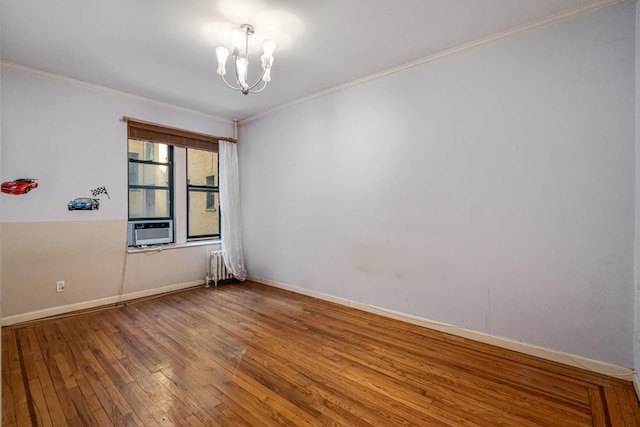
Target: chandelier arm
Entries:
(258, 82)
(259, 90)
(228, 85)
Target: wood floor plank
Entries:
(626, 412)
(599, 417)
(90, 403)
(628, 394)
(14, 400)
(102, 419)
(8, 388)
(251, 355)
(43, 418)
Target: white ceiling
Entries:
(165, 49)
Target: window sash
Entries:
(202, 199)
(204, 213)
(149, 203)
(140, 209)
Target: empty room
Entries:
(346, 213)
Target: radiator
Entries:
(217, 270)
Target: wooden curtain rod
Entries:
(179, 131)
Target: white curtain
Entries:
(230, 210)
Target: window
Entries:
(203, 220)
(150, 180)
(158, 196)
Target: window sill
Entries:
(169, 246)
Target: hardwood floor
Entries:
(251, 355)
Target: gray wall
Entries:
(492, 189)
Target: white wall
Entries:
(71, 137)
(492, 189)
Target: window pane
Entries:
(200, 165)
(146, 174)
(211, 196)
(202, 219)
(145, 203)
(145, 150)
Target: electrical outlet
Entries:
(60, 286)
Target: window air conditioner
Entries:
(150, 232)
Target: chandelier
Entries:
(240, 54)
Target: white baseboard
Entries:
(532, 350)
(63, 309)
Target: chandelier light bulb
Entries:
(222, 53)
(241, 64)
(269, 47)
(238, 36)
(267, 62)
(266, 77)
